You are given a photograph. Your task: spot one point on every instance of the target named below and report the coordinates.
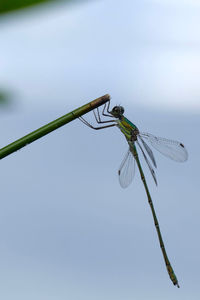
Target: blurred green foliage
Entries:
(10, 5)
(5, 98)
(7, 6)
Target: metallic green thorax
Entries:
(127, 127)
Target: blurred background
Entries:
(68, 230)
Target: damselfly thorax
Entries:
(128, 129)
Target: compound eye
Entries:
(122, 110)
(115, 108)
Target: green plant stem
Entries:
(33, 136)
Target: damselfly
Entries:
(172, 149)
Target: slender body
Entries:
(172, 149)
(130, 131)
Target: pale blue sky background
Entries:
(68, 231)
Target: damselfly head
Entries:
(117, 111)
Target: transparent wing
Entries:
(149, 151)
(148, 163)
(172, 149)
(127, 170)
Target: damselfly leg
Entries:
(108, 111)
(98, 119)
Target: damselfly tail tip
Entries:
(175, 282)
